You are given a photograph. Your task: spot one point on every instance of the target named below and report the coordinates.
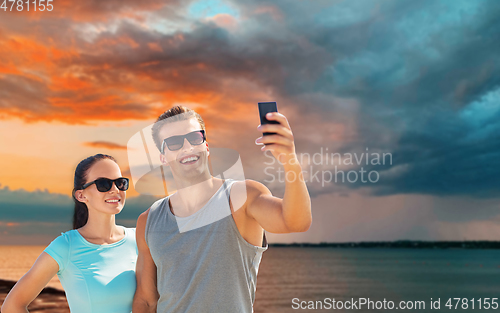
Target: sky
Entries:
(394, 106)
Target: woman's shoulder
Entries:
(63, 242)
(130, 239)
(129, 231)
(59, 249)
(65, 237)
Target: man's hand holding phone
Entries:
(281, 141)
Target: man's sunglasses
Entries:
(105, 184)
(175, 143)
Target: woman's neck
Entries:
(101, 229)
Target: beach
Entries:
(49, 300)
(15, 261)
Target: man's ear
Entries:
(80, 197)
(163, 160)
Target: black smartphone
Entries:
(264, 108)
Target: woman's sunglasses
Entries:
(105, 184)
(175, 143)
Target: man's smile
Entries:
(190, 159)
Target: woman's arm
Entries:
(30, 285)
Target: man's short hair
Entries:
(176, 113)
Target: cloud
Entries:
(426, 91)
(378, 72)
(105, 145)
(95, 11)
(41, 213)
(38, 217)
(8, 224)
(358, 217)
(142, 68)
(23, 96)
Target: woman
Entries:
(95, 261)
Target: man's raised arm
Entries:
(293, 212)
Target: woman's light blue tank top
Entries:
(96, 278)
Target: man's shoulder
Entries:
(144, 215)
(245, 191)
(157, 204)
(252, 187)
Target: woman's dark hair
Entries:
(81, 214)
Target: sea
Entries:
(326, 279)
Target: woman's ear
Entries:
(208, 149)
(80, 197)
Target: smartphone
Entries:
(264, 108)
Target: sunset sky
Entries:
(418, 80)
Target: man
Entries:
(200, 248)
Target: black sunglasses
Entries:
(175, 143)
(105, 184)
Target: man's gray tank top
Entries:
(203, 263)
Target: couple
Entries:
(197, 250)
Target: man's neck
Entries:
(190, 199)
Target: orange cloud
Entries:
(26, 53)
(224, 20)
(69, 82)
(131, 72)
(9, 224)
(95, 10)
(155, 46)
(105, 145)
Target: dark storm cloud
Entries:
(425, 75)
